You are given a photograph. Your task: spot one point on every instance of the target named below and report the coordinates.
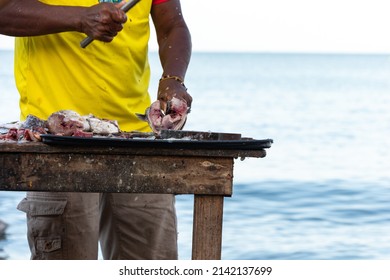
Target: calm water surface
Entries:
(322, 192)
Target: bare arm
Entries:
(174, 42)
(32, 18)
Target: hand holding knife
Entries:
(126, 7)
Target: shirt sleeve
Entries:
(155, 2)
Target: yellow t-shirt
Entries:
(109, 80)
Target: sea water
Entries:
(322, 191)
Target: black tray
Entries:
(243, 144)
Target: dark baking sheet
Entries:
(243, 144)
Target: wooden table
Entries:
(207, 174)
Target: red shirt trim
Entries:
(155, 2)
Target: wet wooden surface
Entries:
(207, 174)
(73, 172)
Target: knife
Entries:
(126, 7)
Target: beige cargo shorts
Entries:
(68, 226)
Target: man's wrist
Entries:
(173, 77)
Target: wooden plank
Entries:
(115, 173)
(207, 227)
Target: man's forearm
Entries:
(175, 52)
(31, 18)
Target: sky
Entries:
(337, 26)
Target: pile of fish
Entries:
(30, 130)
(64, 123)
(70, 123)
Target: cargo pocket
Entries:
(45, 227)
(48, 245)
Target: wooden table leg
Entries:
(207, 227)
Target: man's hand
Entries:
(169, 88)
(103, 21)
